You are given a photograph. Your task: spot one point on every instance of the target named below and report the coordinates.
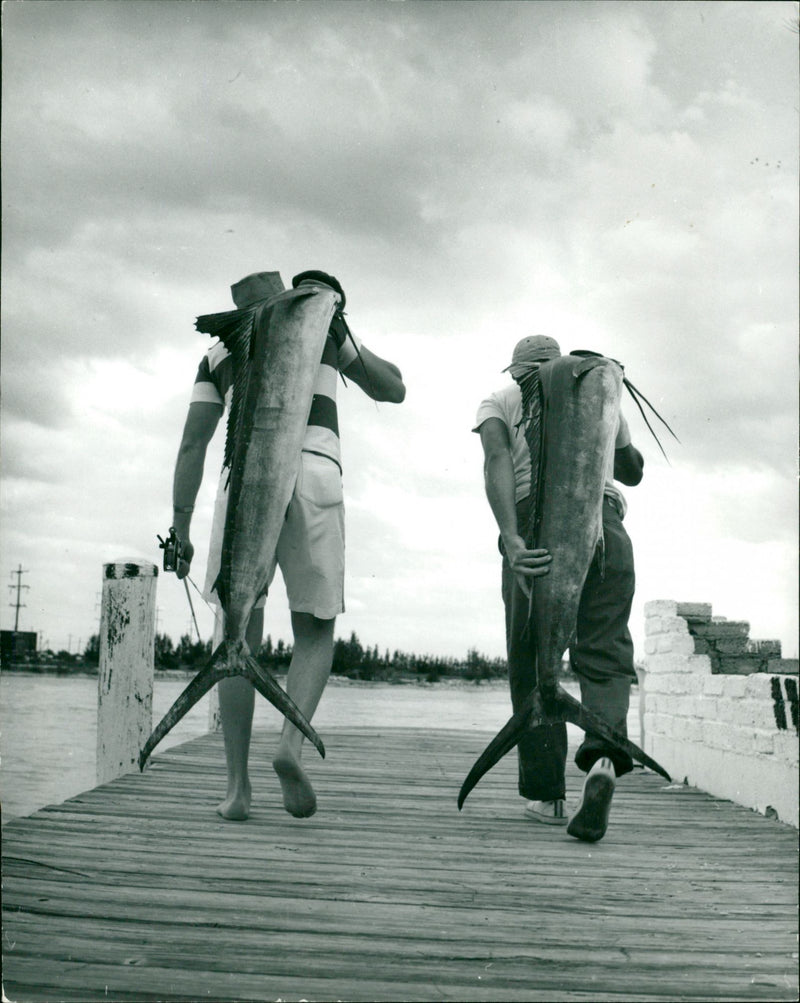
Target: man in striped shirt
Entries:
(310, 550)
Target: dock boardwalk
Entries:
(138, 891)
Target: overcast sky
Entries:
(621, 176)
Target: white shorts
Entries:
(310, 549)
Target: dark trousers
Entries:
(601, 657)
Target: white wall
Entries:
(733, 735)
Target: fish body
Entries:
(582, 408)
(276, 349)
(571, 409)
(289, 337)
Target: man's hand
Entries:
(526, 564)
(185, 560)
(338, 329)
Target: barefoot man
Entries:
(310, 550)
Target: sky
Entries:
(620, 176)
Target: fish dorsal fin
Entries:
(530, 385)
(234, 328)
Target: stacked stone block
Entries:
(719, 710)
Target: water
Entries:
(49, 724)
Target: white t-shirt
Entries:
(506, 404)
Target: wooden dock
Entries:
(138, 891)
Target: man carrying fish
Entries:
(309, 530)
(601, 651)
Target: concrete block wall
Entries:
(720, 711)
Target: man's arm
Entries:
(498, 475)
(201, 423)
(379, 379)
(628, 461)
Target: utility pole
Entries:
(19, 587)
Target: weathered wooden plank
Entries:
(354, 881)
(241, 908)
(287, 916)
(176, 944)
(389, 892)
(146, 985)
(258, 867)
(409, 960)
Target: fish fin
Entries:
(225, 325)
(538, 711)
(268, 687)
(234, 328)
(566, 708)
(210, 674)
(222, 665)
(503, 742)
(533, 424)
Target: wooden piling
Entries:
(125, 682)
(214, 719)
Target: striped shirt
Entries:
(214, 385)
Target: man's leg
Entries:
(602, 658)
(542, 753)
(310, 667)
(236, 701)
(602, 655)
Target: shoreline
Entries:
(410, 679)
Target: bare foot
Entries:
(236, 807)
(299, 798)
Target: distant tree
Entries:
(276, 657)
(348, 656)
(478, 667)
(192, 653)
(164, 652)
(91, 652)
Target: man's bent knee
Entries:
(308, 625)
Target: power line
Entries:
(19, 587)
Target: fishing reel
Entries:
(173, 549)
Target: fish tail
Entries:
(545, 707)
(568, 709)
(503, 742)
(210, 674)
(230, 659)
(269, 687)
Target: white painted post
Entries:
(125, 681)
(214, 720)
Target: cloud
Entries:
(622, 176)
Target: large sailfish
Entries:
(570, 411)
(276, 346)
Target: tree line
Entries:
(351, 659)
